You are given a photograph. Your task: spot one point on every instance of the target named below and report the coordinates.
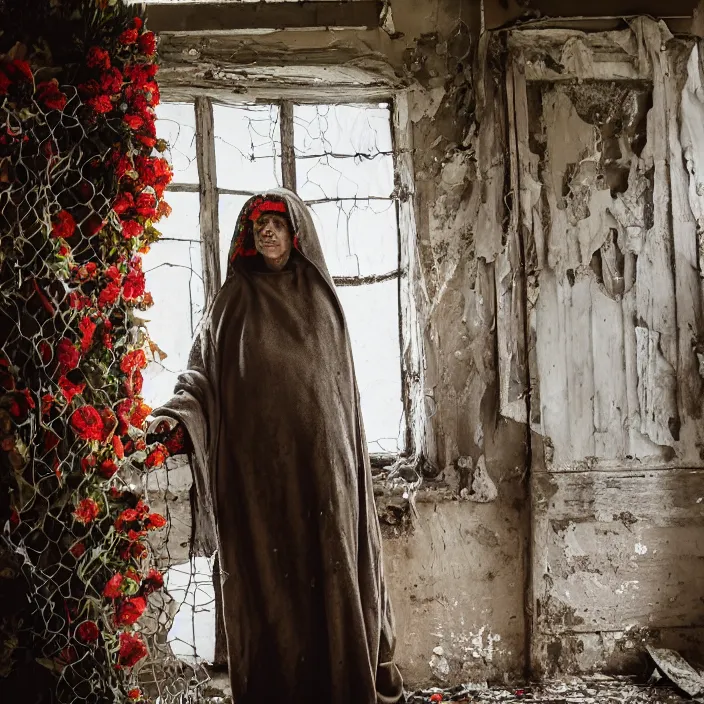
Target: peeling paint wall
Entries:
(610, 223)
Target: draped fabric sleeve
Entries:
(194, 406)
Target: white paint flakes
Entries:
(632, 584)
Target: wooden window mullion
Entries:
(288, 154)
(209, 220)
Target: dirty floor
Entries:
(586, 690)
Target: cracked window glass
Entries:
(176, 123)
(247, 147)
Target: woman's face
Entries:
(272, 238)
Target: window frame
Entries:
(209, 195)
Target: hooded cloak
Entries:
(282, 481)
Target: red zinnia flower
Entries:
(134, 122)
(136, 359)
(85, 272)
(139, 74)
(121, 163)
(140, 413)
(130, 610)
(78, 550)
(134, 694)
(19, 69)
(109, 295)
(113, 588)
(153, 581)
(146, 141)
(141, 508)
(133, 387)
(164, 210)
(87, 423)
(98, 58)
(101, 104)
(118, 447)
(155, 172)
(88, 631)
(154, 521)
(87, 328)
(68, 354)
(63, 225)
(134, 285)
(49, 94)
(114, 274)
(156, 457)
(86, 511)
(77, 301)
(129, 36)
(129, 515)
(132, 649)
(146, 205)
(123, 410)
(88, 463)
(131, 228)
(139, 550)
(69, 389)
(123, 202)
(108, 469)
(111, 81)
(147, 44)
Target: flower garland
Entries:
(81, 188)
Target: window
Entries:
(339, 159)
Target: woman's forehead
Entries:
(264, 217)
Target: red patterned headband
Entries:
(267, 206)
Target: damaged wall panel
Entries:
(607, 174)
(621, 564)
(613, 307)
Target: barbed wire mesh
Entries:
(83, 616)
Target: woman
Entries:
(271, 411)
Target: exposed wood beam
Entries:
(604, 8)
(288, 155)
(502, 14)
(209, 221)
(193, 18)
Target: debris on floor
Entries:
(597, 689)
(673, 666)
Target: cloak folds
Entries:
(283, 483)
